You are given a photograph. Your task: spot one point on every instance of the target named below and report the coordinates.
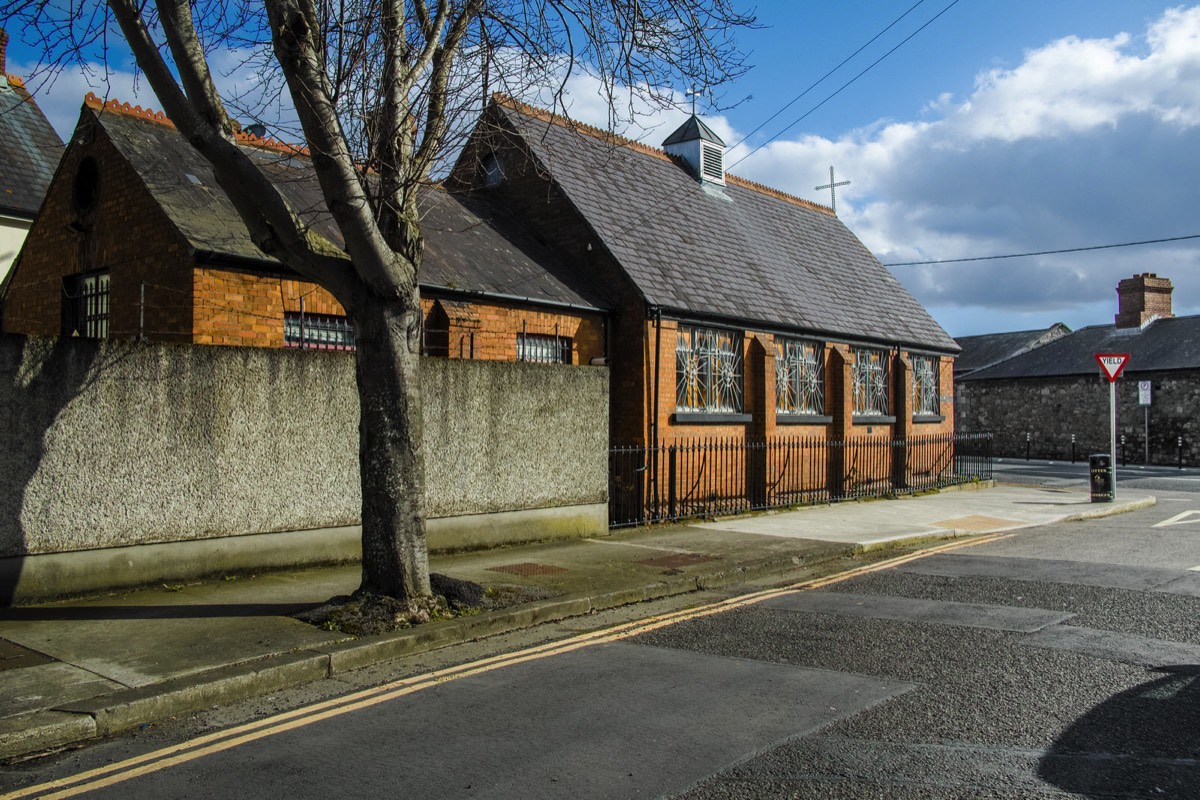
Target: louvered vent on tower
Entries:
(712, 162)
(702, 149)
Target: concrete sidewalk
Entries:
(74, 670)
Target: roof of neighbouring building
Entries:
(1165, 344)
(743, 252)
(29, 150)
(470, 244)
(987, 349)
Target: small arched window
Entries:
(87, 184)
(493, 171)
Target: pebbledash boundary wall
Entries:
(125, 464)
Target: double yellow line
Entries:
(212, 743)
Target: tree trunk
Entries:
(391, 456)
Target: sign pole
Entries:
(1112, 364)
(1112, 432)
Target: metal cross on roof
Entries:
(693, 93)
(832, 187)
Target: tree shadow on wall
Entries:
(39, 377)
(1144, 742)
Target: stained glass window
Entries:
(708, 370)
(870, 375)
(799, 377)
(926, 391)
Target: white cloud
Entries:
(1085, 142)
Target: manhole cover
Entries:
(13, 656)
(676, 560)
(978, 523)
(528, 568)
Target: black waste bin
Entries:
(1101, 469)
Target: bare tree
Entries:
(382, 90)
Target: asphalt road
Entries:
(1066, 474)
(1059, 662)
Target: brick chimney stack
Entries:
(1143, 298)
(3, 51)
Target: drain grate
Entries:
(13, 656)
(676, 560)
(528, 568)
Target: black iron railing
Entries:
(710, 477)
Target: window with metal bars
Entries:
(870, 378)
(708, 370)
(926, 388)
(317, 331)
(544, 348)
(799, 377)
(85, 306)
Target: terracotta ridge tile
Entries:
(778, 194)
(15, 81)
(115, 106)
(579, 127)
(608, 136)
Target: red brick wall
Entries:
(636, 340)
(492, 333)
(554, 220)
(244, 308)
(125, 233)
(240, 308)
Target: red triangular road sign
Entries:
(1112, 364)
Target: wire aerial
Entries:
(1044, 252)
(845, 85)
(677, 197)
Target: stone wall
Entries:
(111, 444)
(1038, 416)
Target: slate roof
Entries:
(742, 252)
(1165, 344)
(470, 246)
(29, 150)
(987, 349)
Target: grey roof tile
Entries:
(1165, 344)
(735, 252)
(29, 150)
(992, 348)
(470, 246)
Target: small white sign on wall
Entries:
(1143, 393)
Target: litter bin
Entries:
(1100, 465)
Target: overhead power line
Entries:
(822, 79)
(847, 84)
(1044, 252)
(671, 200)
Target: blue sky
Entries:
(1002, 127)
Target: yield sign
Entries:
(1112, 364)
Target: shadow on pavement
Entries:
(1144, 742)
(181, 611)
